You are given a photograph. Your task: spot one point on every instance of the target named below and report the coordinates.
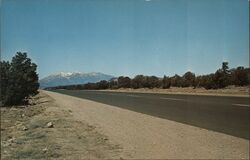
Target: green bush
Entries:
(19, 79)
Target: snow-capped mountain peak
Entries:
(68, 74)
(70, 78)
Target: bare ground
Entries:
(146, 137)
(25, 135)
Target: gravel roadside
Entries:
(45, 130)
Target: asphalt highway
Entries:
(229, 115)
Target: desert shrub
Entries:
(188, 79)
(113, 83)
(166, 82)
(124, 82)
(152, 82)
(138, 81)
(240, 76)
(103, 84)
(176, 81)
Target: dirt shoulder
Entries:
(142, 136)
(228, 91)
(25, 133)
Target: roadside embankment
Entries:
(228, 91)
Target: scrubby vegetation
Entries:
(19, 79)
(223, 77)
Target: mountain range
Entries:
(70, 78)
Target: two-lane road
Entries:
(229, 115)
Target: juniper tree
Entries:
(5, 72)
(22, 79)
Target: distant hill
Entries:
(71, 78)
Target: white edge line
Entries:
(173, 99)
(242, 105)
(130, 95)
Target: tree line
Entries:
(222, 78)
(19, 79)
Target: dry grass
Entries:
(68, 139)
(228, 91)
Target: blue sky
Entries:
(127, 37)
